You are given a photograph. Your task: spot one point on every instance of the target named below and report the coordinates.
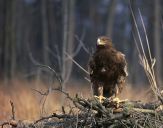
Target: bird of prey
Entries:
(108, 69)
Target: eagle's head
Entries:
(104, 41)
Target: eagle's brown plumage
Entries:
(107, 69)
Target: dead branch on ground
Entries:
(92, 113)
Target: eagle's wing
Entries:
(123, 70)
(123, 64)
(97, 89)
(91, 66)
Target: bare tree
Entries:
(110, 20)
(133, 77)
(68, 38)
(13, 38)
(2, 34)
(45, 31)
(157, 38)
(10, 39)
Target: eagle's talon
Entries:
(101, 98)
(117, 101)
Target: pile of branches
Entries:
(93, 114)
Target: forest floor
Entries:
(90, 113)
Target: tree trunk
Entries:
(132, 50)
(68, 37)
(10, 41)
(45, 31)
(157, 39)
(13, 38)
(2, 35)
(70, 41)
(20, 38)
(110, 20)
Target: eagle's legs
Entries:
(116, 99)
(100, 93)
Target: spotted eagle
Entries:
(108, 69)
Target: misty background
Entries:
(45, 31)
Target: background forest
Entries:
(55, 32)
(43, 31)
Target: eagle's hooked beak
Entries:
(100, 42)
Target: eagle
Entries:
(107, 69)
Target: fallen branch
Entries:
(91, 113)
